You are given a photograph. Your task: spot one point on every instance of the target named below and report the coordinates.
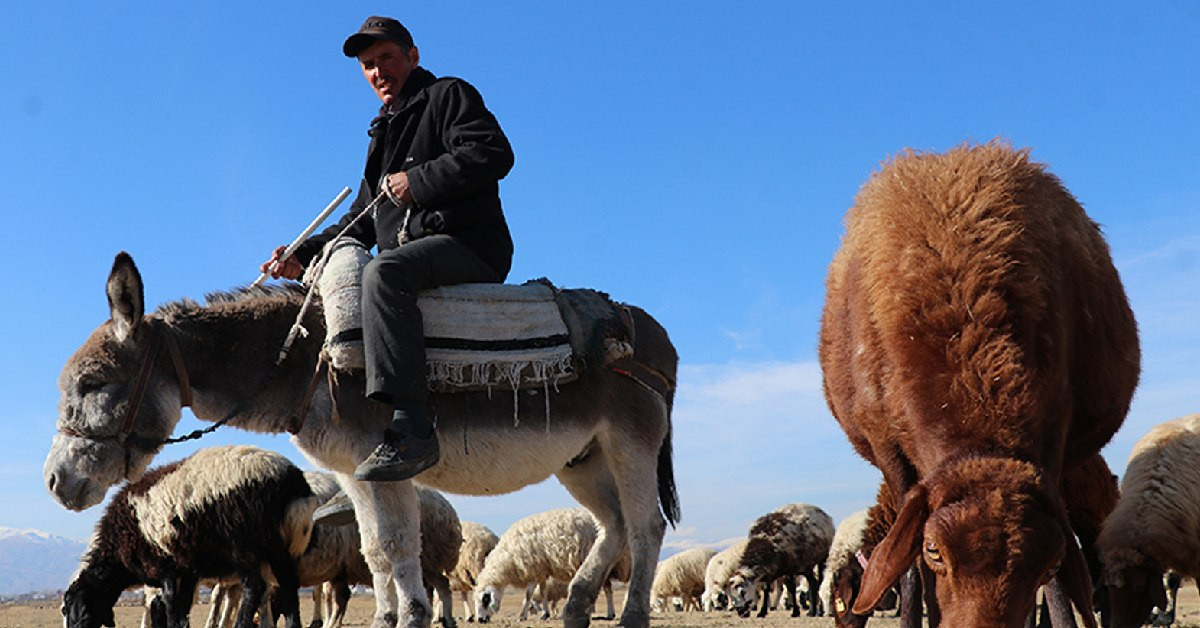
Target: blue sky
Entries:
(692, 158)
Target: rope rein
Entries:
(298, 327)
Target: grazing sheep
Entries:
(847, 541)
(478, 542)
(222, 511)
(791, 541)
(332, 561)
(1156, 524)
(334, 555)
(681, 575)
(847, 578)
(550, 544)
(717, 574)
(976, 343)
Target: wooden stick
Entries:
(291, 248)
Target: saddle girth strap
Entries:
(297, 419)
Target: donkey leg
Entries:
(591, 484)
(632, 458)
(389, 526)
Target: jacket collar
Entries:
(411, 94)
(413, 90)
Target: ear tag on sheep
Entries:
(841, 605)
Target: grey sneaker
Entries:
(399, 457)
(338, 511)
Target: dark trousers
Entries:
(393, 334)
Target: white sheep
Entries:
(546, 545)
(791, 541)
(717, 574)
(681, 575)
(1156, 523)
(847, 541)
(478, 541)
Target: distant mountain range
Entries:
(34, 561)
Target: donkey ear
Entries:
(1073, 574)
(896, 553)
(126, 302)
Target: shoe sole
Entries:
(338, 517)
(386, 474)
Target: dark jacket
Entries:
(455, 154)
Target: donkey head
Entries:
(991, 532)
(107, 430)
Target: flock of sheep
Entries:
(195, 516)
(977, 347)
(239, 519)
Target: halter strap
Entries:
(149, 358)
(158, 332)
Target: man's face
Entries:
(386, 65)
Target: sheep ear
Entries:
(126, 300)
(896, 553)
(1073, 574)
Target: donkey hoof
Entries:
(386, 620)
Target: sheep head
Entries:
(743, 590)
(846, 582)
(88, 606)
(991, 531)
(1135, 587)
(487, 602)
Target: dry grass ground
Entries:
(46, 615)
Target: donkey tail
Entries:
(668, 497)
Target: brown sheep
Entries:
(976, 341)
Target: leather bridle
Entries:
(160, 333)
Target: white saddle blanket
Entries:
(477, 336)
(485, 335)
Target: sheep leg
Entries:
(389, 526)
(910, 599)
(933, 612)
(789, 585)
(232, 601)
(318, 599)
(527, 603)
(608, 598)
(177, 595)
(545, 600)
(216, 599)
(1062, 614)
(286, 598)
(253, 591)
(441, 586)
(339, 600)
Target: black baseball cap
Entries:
(375, 29)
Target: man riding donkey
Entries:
(437, 154)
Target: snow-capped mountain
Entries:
(32, 560)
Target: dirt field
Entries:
(46, 615)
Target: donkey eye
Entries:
(89, 386)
